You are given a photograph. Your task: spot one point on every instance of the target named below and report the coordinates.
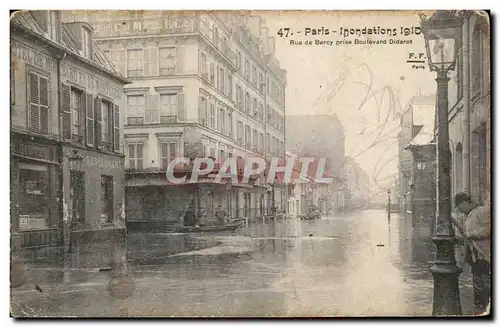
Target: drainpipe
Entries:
(466, 108)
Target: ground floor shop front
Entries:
(35, 192)
(93, 199)
(155, 205)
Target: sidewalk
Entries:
(55, 266)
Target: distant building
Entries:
(65, 97)
(321, 136)
(357, 185)
(417, 166)
(204, 84)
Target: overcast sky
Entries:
(336, 79)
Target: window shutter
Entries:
(82, 117)
(202, 111)
(116, 129)
(98, 122)
(44, 105)
(110, 127)
(179, 64)
(181, 103)
(34, 114)
(90, 120)
(66, 111)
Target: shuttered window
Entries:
(167, 61)
(134, 63)
(151, 61)
(90, 120)
(76, 105)
(168, 152)
(135, 155)
(38, 103)
(116, 129)
(98, 122)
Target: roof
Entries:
(25, 23)
(423, 115)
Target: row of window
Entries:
(85, 119)
(89, 120)
(217, 75)
(149, 108)
(149, 61)
(168, 150)
(255, 76)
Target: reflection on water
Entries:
(356, 264)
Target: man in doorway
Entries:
(476, 229)
(220, 214)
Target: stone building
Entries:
(419, 113)
(470, 110)
(65, 97)
(357, 184)
(321, 136)
(204, 84)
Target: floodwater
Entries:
(352, 265)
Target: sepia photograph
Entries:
(250, 163)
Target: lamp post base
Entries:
(446, 301)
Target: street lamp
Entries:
(75, 161)
(442, 34)
(389, 204)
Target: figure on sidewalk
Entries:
(190, 216)
(476, 229)
(220, 214)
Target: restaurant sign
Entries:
(33, 57)
(89, 82)
(100, 162)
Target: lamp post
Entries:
(75, 161)
(389, 205)
(442, 33)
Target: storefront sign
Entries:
(33, 151)
(102, 162)
(91, 83)
(34, 57)
(171, 25)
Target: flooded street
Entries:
(352, 265)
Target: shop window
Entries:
(33, 196)
(77, 195)
(107, 198)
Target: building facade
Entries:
(470, 111)
(65, 97)
(321, 136)
(358, 185)
(204, 85)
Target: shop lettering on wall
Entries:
(90, 82)
(134, 27)
(102, 163)
(34, 57)
(32, 150)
